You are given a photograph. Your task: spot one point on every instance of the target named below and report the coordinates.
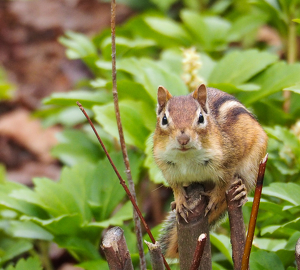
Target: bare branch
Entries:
(138, 229)
(237, 226)
(157, 261)
(115, 249)
(188, 233)
(254, 212)
(122, 182)
(199, 252)
(297, 253)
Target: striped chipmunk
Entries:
(207, 137)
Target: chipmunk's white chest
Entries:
(194, 165)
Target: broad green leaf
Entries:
(138, 119)
(63, 225)
(163, 5)
(126, 47)
(296, 20)
(11, 248)
(170, 29)
(246, 23)
(285, 191)
(295, 88)
(124, 213)
(94, 265)
(134, 91)
(222, 243)
(153, 170)
(274, 79)
(216, 266)
(269, 244)
(76, 147)
(29, 230)
(150, 74)
(86, 98)
(24, 207)
(263, 260)
(80, 248)
(210, 31)
(238, 67)
(32, 263)
(105, 189)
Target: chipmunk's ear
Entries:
(201, 96)
(163, 96)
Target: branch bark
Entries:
(297, 253)
(138, 229)
(237, 227)
(254, 212)
(188, 233)
(156, 257)
(199, 252)
(115, 249)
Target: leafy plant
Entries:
(74, 211)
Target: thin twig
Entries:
(122, 182)
(199, 252)
(254, 212)
(138, 229)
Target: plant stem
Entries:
(44, 254)
(138, 229)
(291, 50)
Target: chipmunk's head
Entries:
(182, 120)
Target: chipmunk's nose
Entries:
(183, 139)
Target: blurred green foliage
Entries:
(74, 211)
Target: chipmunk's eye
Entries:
(164, 120)
(201, 119)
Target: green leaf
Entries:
(32, 263)
(86, 98)
(263, 260)
(295, 88)
(153, 170)
(123, 214)
(151, 74)
(80, 248)
(126, 47)
(222, 243)
(274, 79)
(94, 265)
(8, 200)
(296, 20)
(163, 5)
(133, 91)
(29, 230)
(269, 244)
(238, 67)
(170, 29)
(285, 191)
(210, 31)
(138, 119)
(63, 225)
(76, 147)
(11, 248)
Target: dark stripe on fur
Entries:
(220, 101)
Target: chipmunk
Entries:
(206, 137)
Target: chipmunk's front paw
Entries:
(181, 207)
(215, 197)
(240, 193)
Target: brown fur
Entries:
(229, 142)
